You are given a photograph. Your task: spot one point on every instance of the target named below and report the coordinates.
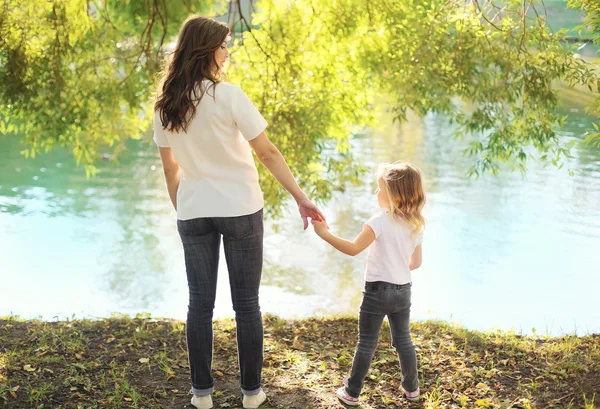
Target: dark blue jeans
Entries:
(243, 245)
(381, 299)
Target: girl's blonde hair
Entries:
(404, 187)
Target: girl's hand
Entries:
(320, 227)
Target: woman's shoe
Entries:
(202, 402)
(254, 401)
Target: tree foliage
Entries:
(81, 74)
(591, 24)
(78, 73)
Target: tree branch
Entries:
(484, 16)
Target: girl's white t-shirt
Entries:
(218, 176)
(390, 253)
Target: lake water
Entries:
(505, 251)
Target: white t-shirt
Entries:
(390, 253)
(218, 176)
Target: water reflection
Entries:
(499, 251)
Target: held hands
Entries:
(320, 227)
(308, 209)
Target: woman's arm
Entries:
(171, 170)
(352, 248)
(273, 160)
(416, 258)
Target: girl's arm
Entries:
(171, 169)
(416, 258)
(352, 248)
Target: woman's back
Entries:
(219, 176)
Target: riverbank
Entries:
(141, 363)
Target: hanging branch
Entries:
(249, 28)
(476, 2)
(146, 44)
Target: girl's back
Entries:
(390, 253)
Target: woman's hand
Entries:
(308, 209)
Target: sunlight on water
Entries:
(499, 252)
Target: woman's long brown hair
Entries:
(192, 61)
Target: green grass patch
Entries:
(142, 363)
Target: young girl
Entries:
(396, 235)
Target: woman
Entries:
(205, 129)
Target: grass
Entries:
(142, 363)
